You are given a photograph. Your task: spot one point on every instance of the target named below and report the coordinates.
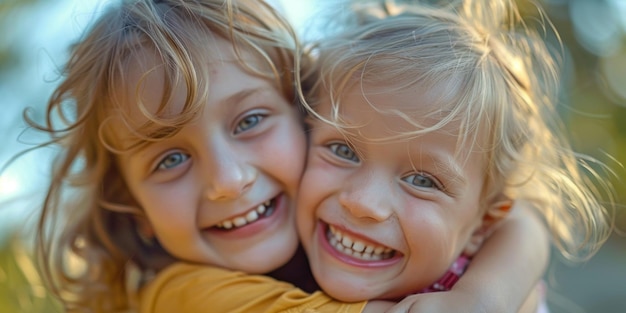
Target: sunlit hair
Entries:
(499, 82)
(86, 214)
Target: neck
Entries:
(297, 272)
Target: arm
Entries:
(193, 288)
(510, 263)
(503, 274)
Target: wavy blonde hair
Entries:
(501, 82)
(83, 214)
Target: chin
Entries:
(345, 293)
(266, 258)
(344, 289)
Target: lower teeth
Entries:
(268, 211)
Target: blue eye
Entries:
(248, 122)
(172, 160)
(420, 180)
(344, 151)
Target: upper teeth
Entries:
(356, 248)
(247, 218)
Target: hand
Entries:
(453, 301)
(460, 301)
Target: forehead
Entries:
(155, 93)
(380, 111)
(149, 76)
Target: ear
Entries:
(497, 211)
(145, 230)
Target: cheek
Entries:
(440, 237)
(287, 153)
(317, 183)
(430, 233)
(305, 201)
(319, 190)
(169, 206)
(469, 214)
(314, 189)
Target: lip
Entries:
(322, 228)
(264, 224)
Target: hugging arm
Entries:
(504, 274)
(190, 288)
(506, 271)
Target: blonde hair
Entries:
(501, 83)
(83, 213)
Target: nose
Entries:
(229, 175)
(364, 196)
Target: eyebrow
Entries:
(139, 145)
(242, 95)
(446, 166)
(233, 99)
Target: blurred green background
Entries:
(34, 35)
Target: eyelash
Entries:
(334, 148)
(433, 183)
(257, 119)
(162, 164)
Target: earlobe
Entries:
(497, 211)
(145, 231)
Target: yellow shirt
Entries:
(189, 288)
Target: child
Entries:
(181, 142)
(169, 111)
(426, 119)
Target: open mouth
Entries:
(357, 248)
(262, 211)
